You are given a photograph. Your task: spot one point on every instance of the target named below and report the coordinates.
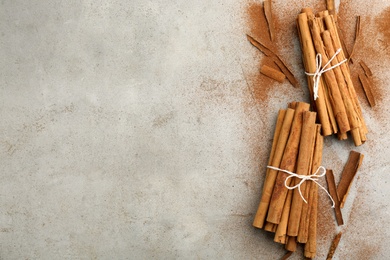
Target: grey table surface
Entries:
(128, 132)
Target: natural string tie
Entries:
(319, 71)
(304, 178)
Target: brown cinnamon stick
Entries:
(278, 61)
(271, 175)
(331, 7)
(303, 166)
(357, 34)
(333, 247)
(367, 86)
(270, 227)
(281, 231)
(350, 169)
(272, 73)
(267, 5)
(291, 244)
(288, 163)
(311, 245)
(333, 192)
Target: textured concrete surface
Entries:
(128, 132)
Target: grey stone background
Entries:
(128, 132)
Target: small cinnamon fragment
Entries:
(287, 255)
(350, 169)
(272, 73)
(366, 69)
(333, 247)
(281, 64)
(268, 16)
(333, 192)
(367, 89)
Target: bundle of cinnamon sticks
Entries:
(337, 105)
(297, 147)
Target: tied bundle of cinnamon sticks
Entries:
(337, 105)
(297, 147)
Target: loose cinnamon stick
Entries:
(333, 247)
(267, 5)
(303, 166)
(367, 89)
(288, 163)
(357, 33)
(350, 169)
(278, 61)
(366, 69)
(272, 73)
(309, 62)
(281, 231)
(311, 245)
(333, 192)
(272, 174)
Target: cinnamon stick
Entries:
(270, 227)
(291, 244)
(333, 192)
(350, 169)
(288, 163)
(272, 73)
(311, 245)
(330, 5)
(309, 62)
(303, 233)
(367, 89)
(267, 5)
(278, 61)
(357, 33)
(333, 247)
(281, 231)
(303, 166)
(272, 174)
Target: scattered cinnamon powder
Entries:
(383, 23)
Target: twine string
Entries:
(304, 178)
(319, 71)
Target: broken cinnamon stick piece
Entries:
(278, 61)
(287, 255)
(267, 5)
(350, 169)
(291, 244)
(333, 247)
(272, 73)
(366, 69)
(357, 33)
(333, 192)
(367, 89)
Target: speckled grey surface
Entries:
(128, 132)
